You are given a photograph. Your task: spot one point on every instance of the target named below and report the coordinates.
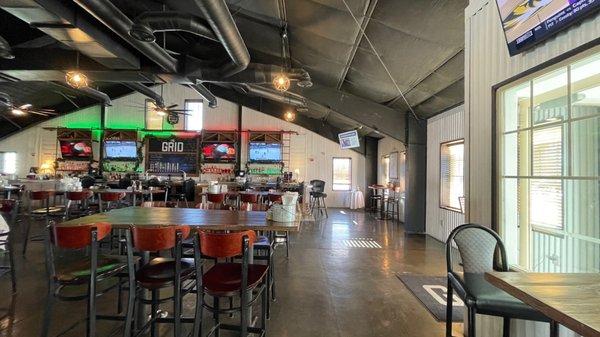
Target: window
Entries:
(8, 162)
(342, 174)
(154, 121)
(548, 173)
(451, 174)
(193, 119)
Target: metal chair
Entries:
(8, 211)
(46, 212)
(226, 280)
(179, 274)
(479, 249)
(68, 276)
(109, 198)
(317, 196)
(80, 198)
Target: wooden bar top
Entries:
(572, 300)
(207, 219)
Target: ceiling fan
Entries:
(19, 110)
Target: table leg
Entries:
(8, 194)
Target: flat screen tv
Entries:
(349, 140)
(120, 149)
(218, 152)
(528, 22)
(259, 152)
(75, 149)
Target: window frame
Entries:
(566, 60)
(333, 173)
(442, 145)
(193, 100)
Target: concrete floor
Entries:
(324, 289)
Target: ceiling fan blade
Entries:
(171, 106)
(37, 113)
(25, 106)
(176, 110)
(183, 113)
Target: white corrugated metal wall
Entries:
(487, 63)
(442, 128)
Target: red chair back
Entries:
(274, 197)
(80, 236)
(216, 197)
(7, 205)
(249, 197)
(111, 196)
(224, 245)
(151, 239)
(39, 195)
(78, 196)
(253, 207)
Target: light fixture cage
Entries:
(281, 82)
(289, 116)
(76, 79)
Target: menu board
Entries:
(172, 155)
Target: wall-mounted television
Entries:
(70, 149)
(218, 152)
(259, 152)
(120, 149)
(349, 140)
(528, 22)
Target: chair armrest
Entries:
(458, 285)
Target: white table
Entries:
(355, 200)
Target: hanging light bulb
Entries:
(281, 82)
(161, 112)
(289, 116)
(76, 79)
(18, 112)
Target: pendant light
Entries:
(76, 79)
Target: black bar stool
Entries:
(317, 197)
(9, 209)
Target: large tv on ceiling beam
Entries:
(529, 22)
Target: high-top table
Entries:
(572, 300)
(203, 218)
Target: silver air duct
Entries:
(5, 50)
(119, 23)
(144, 90)
(204, 92)
(286, 98)
(257, 73)
(149, 23)
(97, 94)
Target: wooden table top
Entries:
(107, 190)
(572, 300)
(207, 219)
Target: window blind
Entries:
(451, 174)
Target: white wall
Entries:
(487, 63)
(311, 154)
(386, 146)
(442, 128)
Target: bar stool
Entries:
(280, 238)
(161, 273)
(216, 198)
(66, 278)
(109, 198)
(45, 213)
(8, 211)
(393, 203)
(248, 198)
(317, 197)
(80, 198)
(227, 280)
(375, 199)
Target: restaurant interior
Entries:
(299, 168)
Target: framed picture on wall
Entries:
(393, 170)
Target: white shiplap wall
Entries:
(445, 127)
(487, 63)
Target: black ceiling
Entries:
(420, 43)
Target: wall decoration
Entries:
(172, 155)
(394, 165)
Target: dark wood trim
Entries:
(446, 143)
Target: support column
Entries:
(371, 147)
(416, 175)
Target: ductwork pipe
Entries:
(204, 92)
(119, 23)
(5, 50)
(149, 23)
(286, 98)
(97, 94)
(257, 73)
(220, 20)
(144, 90)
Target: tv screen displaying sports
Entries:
(120, 149)
(218, 152)
(264, 152)
(76, 148)
(528, 22)
(349, 140)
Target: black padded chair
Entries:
(481, 250)
(87, 181)
(188, 192)
(317, 196)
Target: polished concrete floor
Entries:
(327, 287)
